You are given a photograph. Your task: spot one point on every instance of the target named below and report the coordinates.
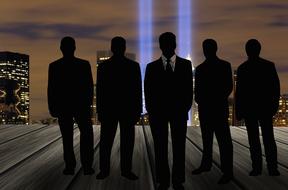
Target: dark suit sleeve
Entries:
(51, 96)
(89, 84)
(189, 87)
(229, 81)
(138, 90)
(197, 86)
(275, 90)
(99, 91)
(147, 88)
(238, 95)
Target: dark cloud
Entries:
(34, 31)
(244, 7)
(282, 68)
(273, 6)
(279, 21)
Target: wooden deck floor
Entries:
(31, 158)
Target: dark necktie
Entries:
(169, 69)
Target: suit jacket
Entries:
(70, 87)
(165, 97)
(119, 89)
(213, 85)
(257, 89)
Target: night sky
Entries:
(35, 27)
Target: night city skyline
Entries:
(35, 28)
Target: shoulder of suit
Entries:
(55, 63)
(151, 64)
(82, 61)
(264, 61)
(180, 59)
(130, 61)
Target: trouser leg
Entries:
(269, 142)
(127, 138)
(86, 141)
(66, 128)
(107, 135)
(254, 143)
(178, 135)
(223, 135)
(159, 131)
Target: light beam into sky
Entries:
(145, 33)
(184, 28)
(185, 34)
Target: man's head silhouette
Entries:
(68, 46)
(253, 48)
(167, 42)
(209, 48)
(118, 46)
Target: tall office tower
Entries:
(103, 55)
(280, 119)
(14, 88)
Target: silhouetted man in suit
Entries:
(213, 85)
(257, 101)
(168, 96)
(119, 99)
(70, 94)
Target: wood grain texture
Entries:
(32, 159)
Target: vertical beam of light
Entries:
(184, 28)
(145, 33)
(145, 37)
(185, 36)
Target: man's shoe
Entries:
(200, 170)
(178, 186)
(255, 172)
(68, 171)
(102, 175)
(129, 175)
(225, 179)
(88, 171)
(273, 172)
(163, 187)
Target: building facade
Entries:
(14, 88)
(280, 119)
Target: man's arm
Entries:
(147, 88)
(139, 89)
(90, 84)
(275, 90)
(51, 92)
(99, 91)
(189, 93)
(238, 96)
(229, 80)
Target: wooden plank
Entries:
(192, 161)
(115, 181)
(284, 129)
(5, 126)
(15, 151)
(13, 132)
(205, 181)
(241, 137)
(44, 169)
(242, 166)
(280, 135)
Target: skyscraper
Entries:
(14, 88)
(280, 119)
